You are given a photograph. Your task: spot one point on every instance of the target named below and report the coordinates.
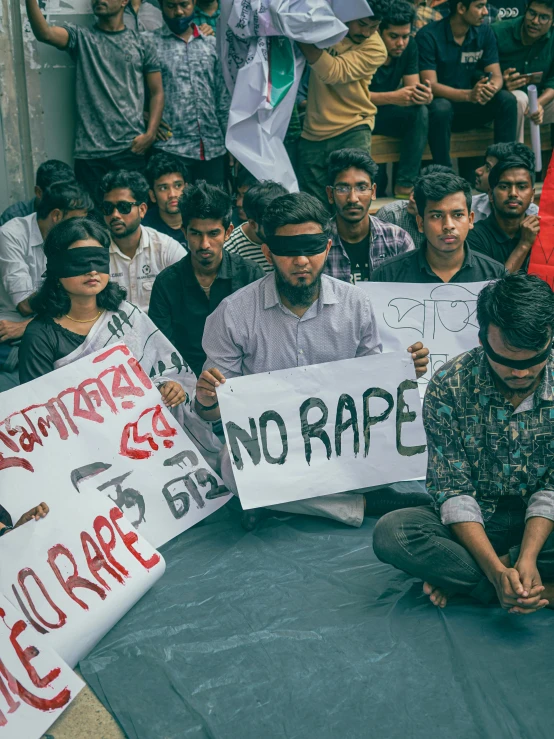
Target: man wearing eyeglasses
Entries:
(526, 51)
(360, 242)
(137, 253)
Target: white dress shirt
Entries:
(22, 264)
(155, 252)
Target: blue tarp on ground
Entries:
(297, 631)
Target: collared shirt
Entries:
(389, 76)
(155, 252)
(196, 98)
(481, 207)
(456, 66)
(148, 18)
(180, 307)
(239, 243)
(200, 17)
(22, 264)
(397, 213)
(481, 448)
(152, 219)
(386, 241)
(488, 238)
(414, 267)
(18, 210)
(538, 57)
(110, 71)
(252, 331)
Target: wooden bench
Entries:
(467, 144)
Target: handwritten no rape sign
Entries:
(36, 685)
(100, 425)
(442, 316)
(75, 573)
(327, 428)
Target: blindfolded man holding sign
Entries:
(295, 316)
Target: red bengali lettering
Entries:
(132, 435)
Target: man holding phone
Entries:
(526, 51)
(400, 97)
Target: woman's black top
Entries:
(44, 342)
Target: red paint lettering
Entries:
(7, 462)
(26, 655)
(73, 581)
(130, 538)
(26, 613)
(96, 560)
(131, 434)
(23, 575)
(112, 350)
(140, 373)
(43, 704)
(100, 523)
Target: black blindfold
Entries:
(304, 245)
(518, 364)
(79, 261)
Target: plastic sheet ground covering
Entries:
(297, 631)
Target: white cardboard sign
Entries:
(442, 316)
(99, 424)
(322, 429)
(76, 572)
(36, 686)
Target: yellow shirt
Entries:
(338, 93)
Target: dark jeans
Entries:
(89, 172)
(446, 116)
(213, 171)
(415, 541)
(411, 124)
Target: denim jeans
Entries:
(415, 541)
(446, 116)
(411, 124)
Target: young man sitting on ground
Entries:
(489, 416)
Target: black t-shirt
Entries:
(388, 78)
(44, 342)
(488, 238)
(359, 258)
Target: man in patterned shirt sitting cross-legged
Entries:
(489, 418)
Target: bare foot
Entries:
(437, 596)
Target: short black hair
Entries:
(436, 169)
(343, 159)
(379, 8)
(65, 195)
(436, 187)
(398, 13)
(259, 197)
(163, 164)
(512, 149)
(51, 171)
(206, 202)
(51, 298)
(246, 178)
(503, 165)
(454, 4)
(521, 306)
(294, 209)
(548, 3)
(123, 179)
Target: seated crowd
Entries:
(145, 227)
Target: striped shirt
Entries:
(239, 243)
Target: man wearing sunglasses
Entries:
(526, 51)
(361, 242)
(489, 418)
(137, 253)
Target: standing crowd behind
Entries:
(264, 282)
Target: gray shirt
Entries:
(148, 18)
(251, 331)
(110, 88)
(397, 213)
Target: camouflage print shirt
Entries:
(481, 448)
(196, 98)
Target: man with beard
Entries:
(488, 415)
(295, 316)
(360, 242)
(137, 253)
(186, 293)
(508, 234)
(115, 67)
